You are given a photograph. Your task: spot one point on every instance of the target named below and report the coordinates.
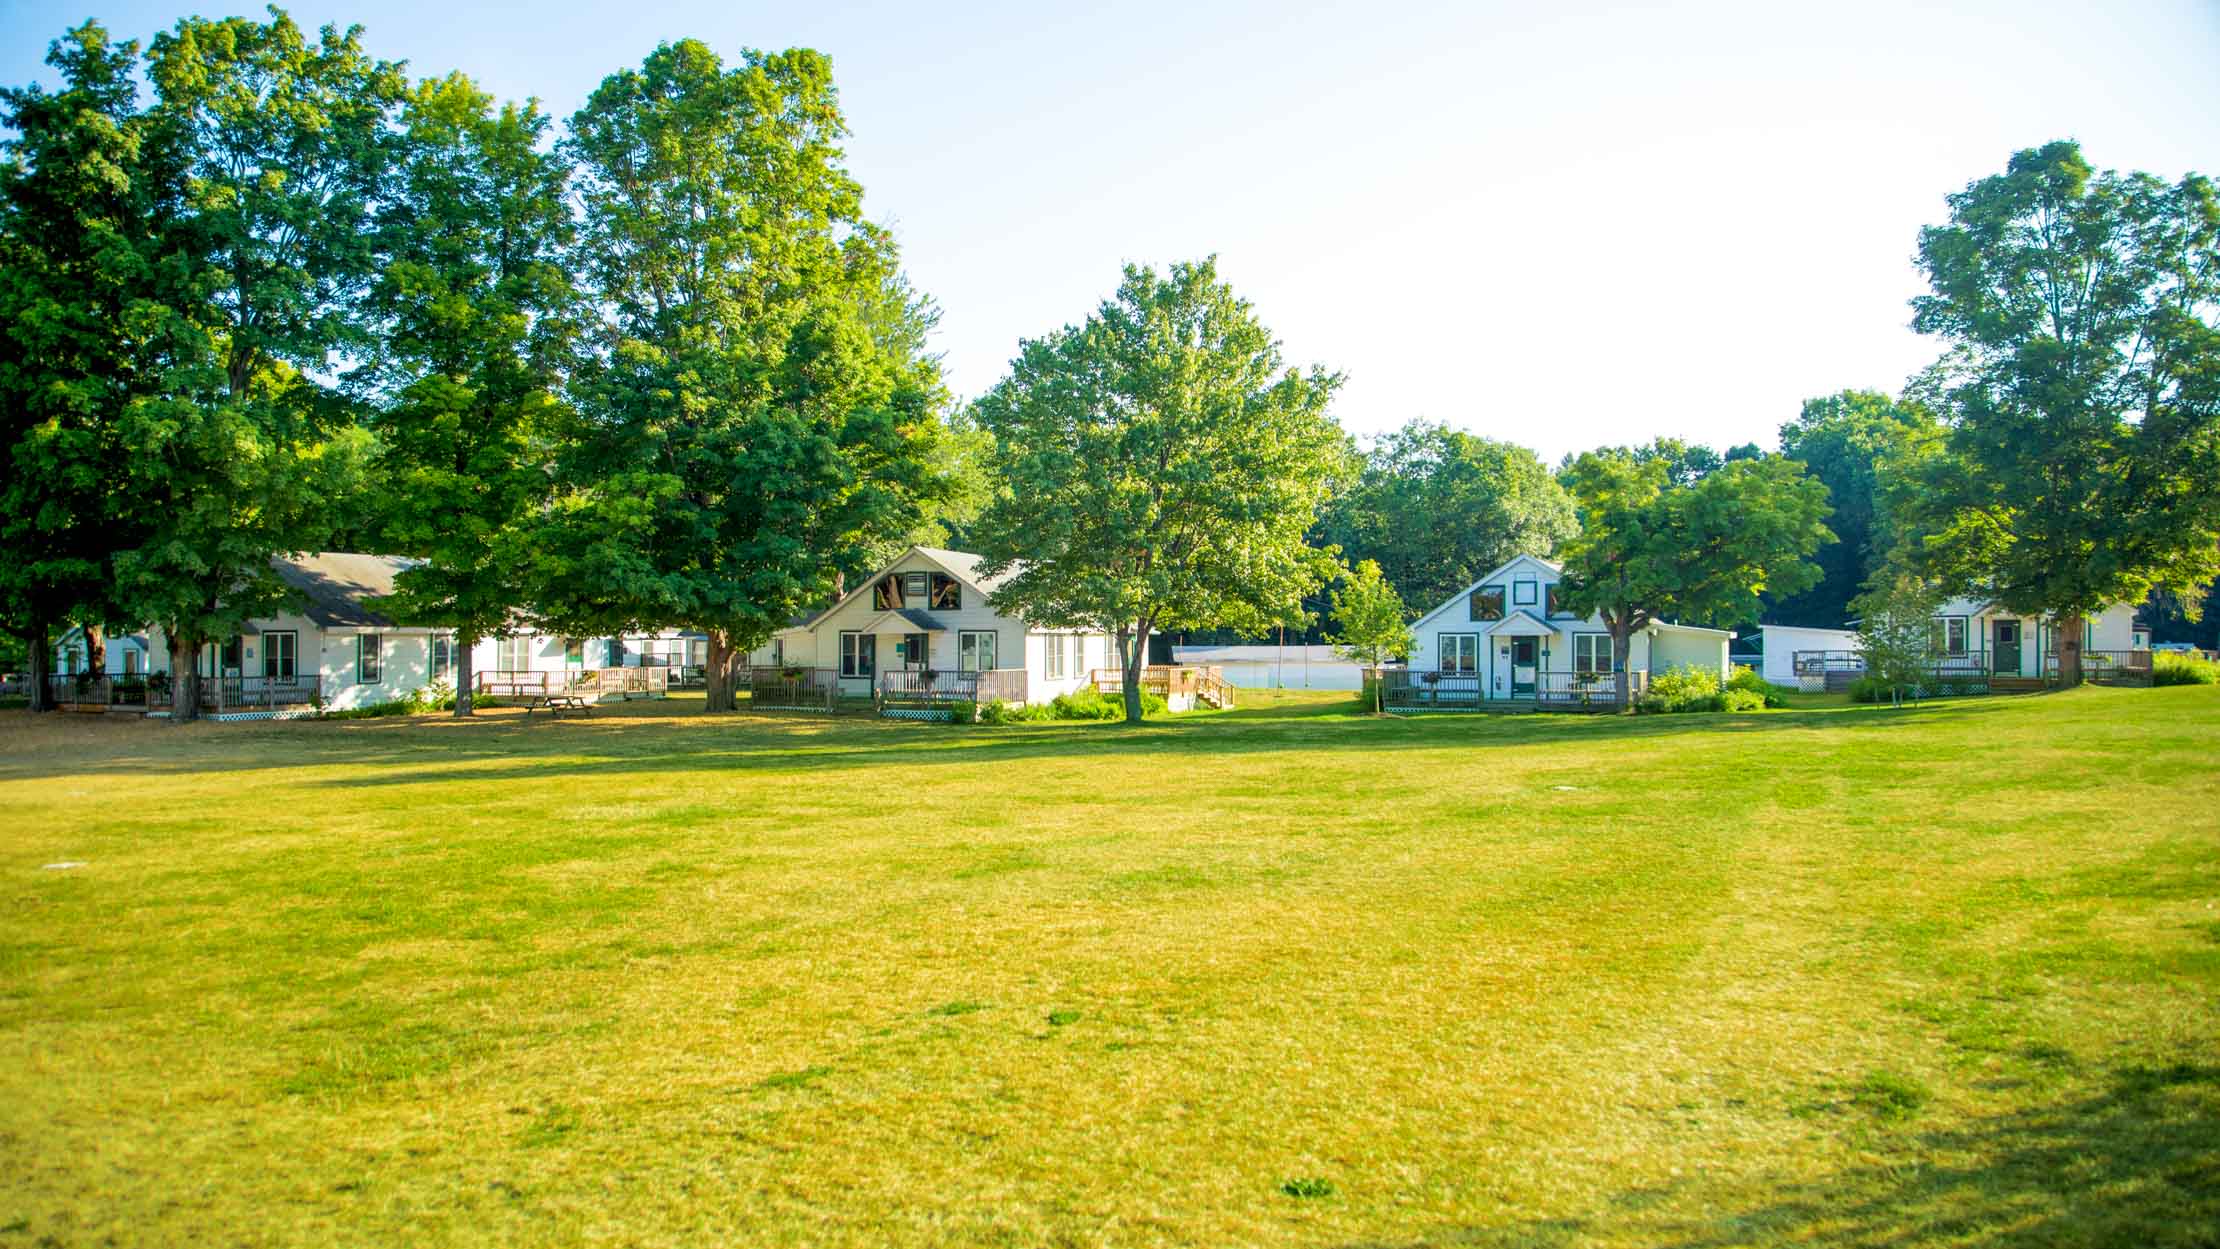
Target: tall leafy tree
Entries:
(2082, 387)
(758, 407)
(73, 279)
(1651, 548)
(475, 313)
(1160, 470)
(1437, 508)
(265, 150)
(1850, 441)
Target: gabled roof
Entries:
(1493, 573)
(1520, 623)
(910, 617)
(962, 565)
(335, 584)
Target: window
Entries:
(887, 595)
(1487, 603)
(975, 651)
(948, 593)
(1078, 655)
(697, 652)
(1460, 652)
(1556, 596)
(1950, 635)
(1592, 652)
(1053, 656)
(574, 652)
(855, 655)
(514, 654)
(1525, 593)
(616, 653)
(913, 587)
(278, 655)
(367, 656)
(231, 660)
(131, 662)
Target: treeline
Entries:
(652, 367)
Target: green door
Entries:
(1523, 652)
(2007, 648)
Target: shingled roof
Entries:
(335, 585)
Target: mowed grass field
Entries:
(1290, 975)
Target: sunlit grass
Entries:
(1290, 974)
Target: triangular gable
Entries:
(1520, 623)
(932, 555)
(1539, 564)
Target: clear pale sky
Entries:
(1563, 225)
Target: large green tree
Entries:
(1160, 469)
(759, 407)
(475, 314)
(264, 150)
(1438, 508)
(1653, 549)
(1850, 441)
(2082, 311)
(73, 282)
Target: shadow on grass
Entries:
(2136, 1162)
(403, 752)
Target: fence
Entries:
(931, 689)
(793, 689)
(90, 691)
(1404, 690)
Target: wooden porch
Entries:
(155, 693)
(1404, 690)
(1180, 686)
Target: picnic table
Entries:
(529, 690)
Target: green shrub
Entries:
(1683, 689)
(406, 705)
(2177, 668)
(1747, 679)
(1093, 704)
(1869, 690)
(1742, 700)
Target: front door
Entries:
(1523, 665)
(2007, 647)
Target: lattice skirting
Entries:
(233, 717)
(916, 713)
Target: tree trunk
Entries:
(39, 649)
(465, 697)
(96, 650)
(2069, 650)
(1136, 661)
(719, 681)
(184, 679)
(1622, 659)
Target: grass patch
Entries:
(1824, 974)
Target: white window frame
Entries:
(513, 653)
(1599, 659)
(857, 658)
(1052, 656)
(292, 654)
(1457, 654)
(369, 659)
(968, 650)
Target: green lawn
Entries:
(1288, 975)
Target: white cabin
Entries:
(1508, 630)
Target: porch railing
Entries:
(2106, 667)
(1404, 690)
(793, 689)
(1205, 684)
(939, 687)
(157, 691)
(646, 681)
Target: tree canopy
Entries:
(1850, 441)
(2081, 389)
(1652, 548)
(757, 407)
(1160, 469)
(1437, 507)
